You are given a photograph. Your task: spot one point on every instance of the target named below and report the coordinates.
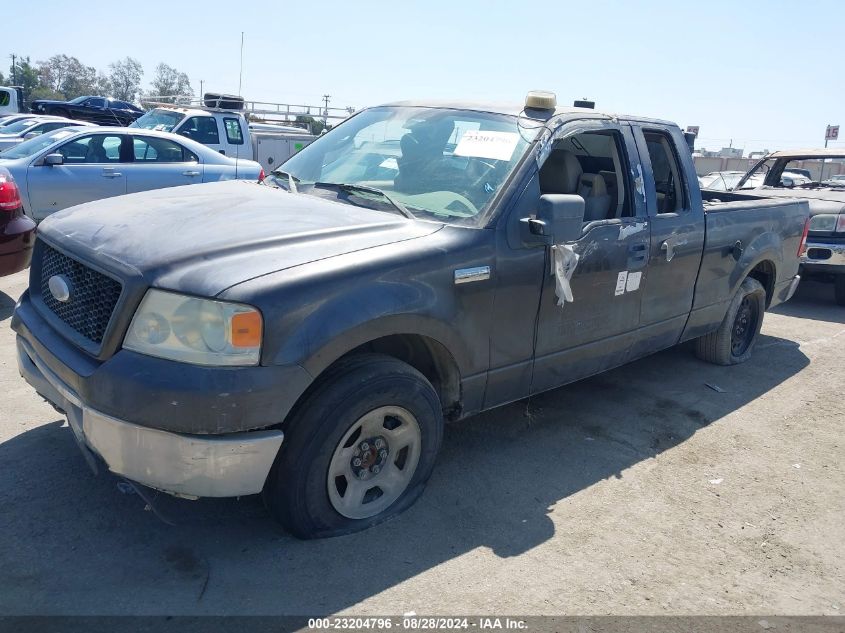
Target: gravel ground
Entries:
(641, 491)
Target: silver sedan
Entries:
(24, 129)
(70, 166)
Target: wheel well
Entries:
(427, 356)
(764, 272)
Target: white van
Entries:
(11, 100)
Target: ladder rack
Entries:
(258, 109)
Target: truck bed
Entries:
(746, 232)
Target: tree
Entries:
(2, 79)
(315, 125)
(67, 77)
(170, 82)
(125, 78)
(24, 74)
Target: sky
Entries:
(751, 74)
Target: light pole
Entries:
(326, 111)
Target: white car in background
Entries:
(25, 129)
(70, 166)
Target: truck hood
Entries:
(203, 239)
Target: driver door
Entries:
(92, 169)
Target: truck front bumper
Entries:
(226, 465)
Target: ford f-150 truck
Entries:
(824, 190)
(421, 262)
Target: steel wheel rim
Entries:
(362, 481)
(744, 326)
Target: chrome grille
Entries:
(92, 299)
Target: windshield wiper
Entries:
(352, 188)
(291, 179)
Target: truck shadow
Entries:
(813, 300)
(77, 544)
(7, 306)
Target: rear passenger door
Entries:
(677, 236)
(159, 162)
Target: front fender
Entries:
(362, 315)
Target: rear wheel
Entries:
(734, 341)
(358, 450)
(839, 289)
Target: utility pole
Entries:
(241, 73)
(201, 90)
(14, 71)
(326, 111)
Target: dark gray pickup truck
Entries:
(418, 263)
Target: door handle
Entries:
(190, 173)
(111, 174)
(669, 249)
(669, 246)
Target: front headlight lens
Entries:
(823, 222)
(193, 330)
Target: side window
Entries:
(94, 149)
(96, 103)
(667, 174)
(5, 98)
(202, 129)
(593, 166)
(234, 134)
(148, 149)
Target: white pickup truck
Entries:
(11, 100)
(228, 132)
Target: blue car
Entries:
(70, 166)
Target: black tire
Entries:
(839, 289)
(734, 341)
(296, 490)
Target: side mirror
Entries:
(54, 159)
(560, 218)
(30, 135)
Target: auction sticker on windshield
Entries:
(492, 145)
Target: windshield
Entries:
(19, 126)
(161, 120)
(35, 145)
(440, 164)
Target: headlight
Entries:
(194, 330)
(823, 222)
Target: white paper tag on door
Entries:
(633, 282)
(492, 145)
(621, 279)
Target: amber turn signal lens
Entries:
(246, 329)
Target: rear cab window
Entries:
(234, 133)
(669, 186)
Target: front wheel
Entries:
(734, 341)
(839, 288)
(358, 450)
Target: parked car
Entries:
(188, 332)
(100, 110)
(8, 119)
(25, 129)
(71, 166)
(17, 232)
(794, 179)
(824, 258)
(720, 180)
(227, 132)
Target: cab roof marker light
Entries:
(540, 100)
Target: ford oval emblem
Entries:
(60, 288)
